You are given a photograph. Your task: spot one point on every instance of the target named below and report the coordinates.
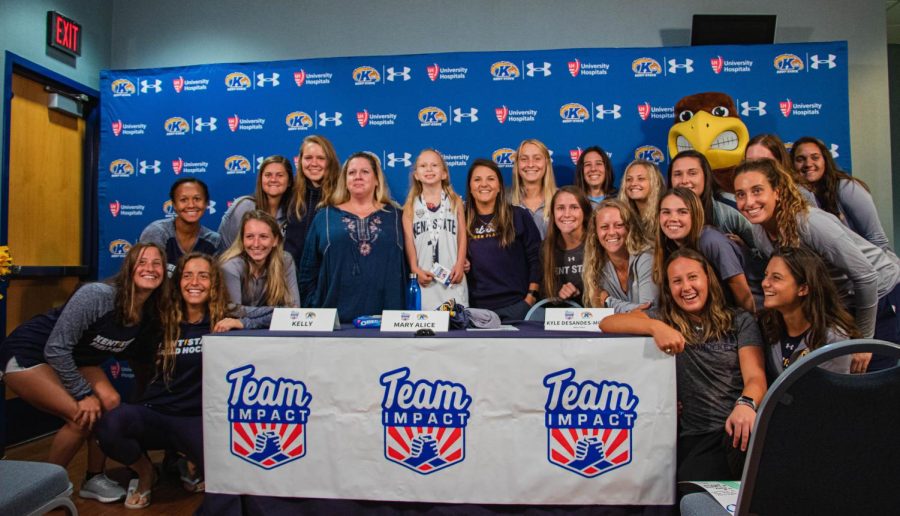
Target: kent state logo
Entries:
(267, 417)
(121, 168)
(432, 116)
(119, 248)
(646, 67)
(424, 422)
(176, 126)
(589, 424)
(298, 121)
(787, 63)
(649, 153)
(237, 164)
(574, 112)
(122, 88)
(504, 71)
(503, 157)
(168, 209)
(365, 75)
(237, 81)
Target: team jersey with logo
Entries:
(435, 233)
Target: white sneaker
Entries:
(102, 488)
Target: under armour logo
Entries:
(459, 114)
(602, 112)
(199, 124)
(834, 150)
(759, 108)
(155, 85)
(530, 69)
(687, 66)
(324, 119)
(391, 73)
(145, 167)
(814, 61)
(211, 207)
(261, 79)
(405, 159)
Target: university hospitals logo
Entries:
(178, 84)
(502, 113)
(433, 71)
(574, 67)
(362, 117)
(589, 424)
(424, 422)
(786, 106)
(300, 77)
(717, 63)
(267, 418)
(117, 127)
(114, 208)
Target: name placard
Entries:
(413, 320)
(305, 319)
(575, 319)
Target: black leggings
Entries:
(127, 431)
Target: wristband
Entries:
(746, 400)
(533, 293)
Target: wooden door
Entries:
(45, 209)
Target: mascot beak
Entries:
(721, 139)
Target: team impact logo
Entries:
(268, 418)
(424, 422)
(588, 424)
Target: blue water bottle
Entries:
(413, 293)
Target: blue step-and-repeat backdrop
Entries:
(218, 122)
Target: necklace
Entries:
(484, 226)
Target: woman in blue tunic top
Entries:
(353, 258)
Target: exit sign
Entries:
(63, 33)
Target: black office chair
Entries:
(824, 443)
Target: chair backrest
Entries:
(826, 443)
(547, 301)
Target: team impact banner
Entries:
(580, 420)
(218, 122)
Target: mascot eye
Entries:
(686, 115)
(720, 111)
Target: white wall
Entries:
(178, 32)
(23, 31)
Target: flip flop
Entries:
(143, 498)
(192, 482)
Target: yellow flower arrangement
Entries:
(6, 264)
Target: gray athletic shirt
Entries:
(641, 288)
(230, 227)
(862, 271)
(709, 377)
(234, 271)
(858, 209)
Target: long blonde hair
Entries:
(548, 183)
(595, 256)
(649, 216)
(415, 186)
(332, 169)
(277, 293)
(341, 194)
(216, 310)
